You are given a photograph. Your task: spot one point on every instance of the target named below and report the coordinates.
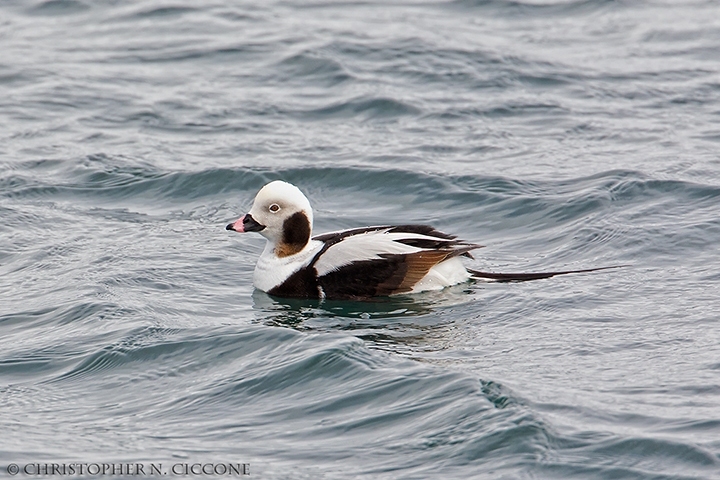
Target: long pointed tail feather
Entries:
(524, 277)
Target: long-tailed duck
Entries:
(353, 264)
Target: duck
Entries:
(356, 264)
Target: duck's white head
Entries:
(280, 213)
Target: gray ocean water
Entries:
(559, 134)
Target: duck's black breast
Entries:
(355, 281)
(301, 284)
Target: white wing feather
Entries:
(366, 246)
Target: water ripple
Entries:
(559, 134)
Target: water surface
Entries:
(559, 134)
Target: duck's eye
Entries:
(274, 207)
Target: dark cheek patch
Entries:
(296, 234)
